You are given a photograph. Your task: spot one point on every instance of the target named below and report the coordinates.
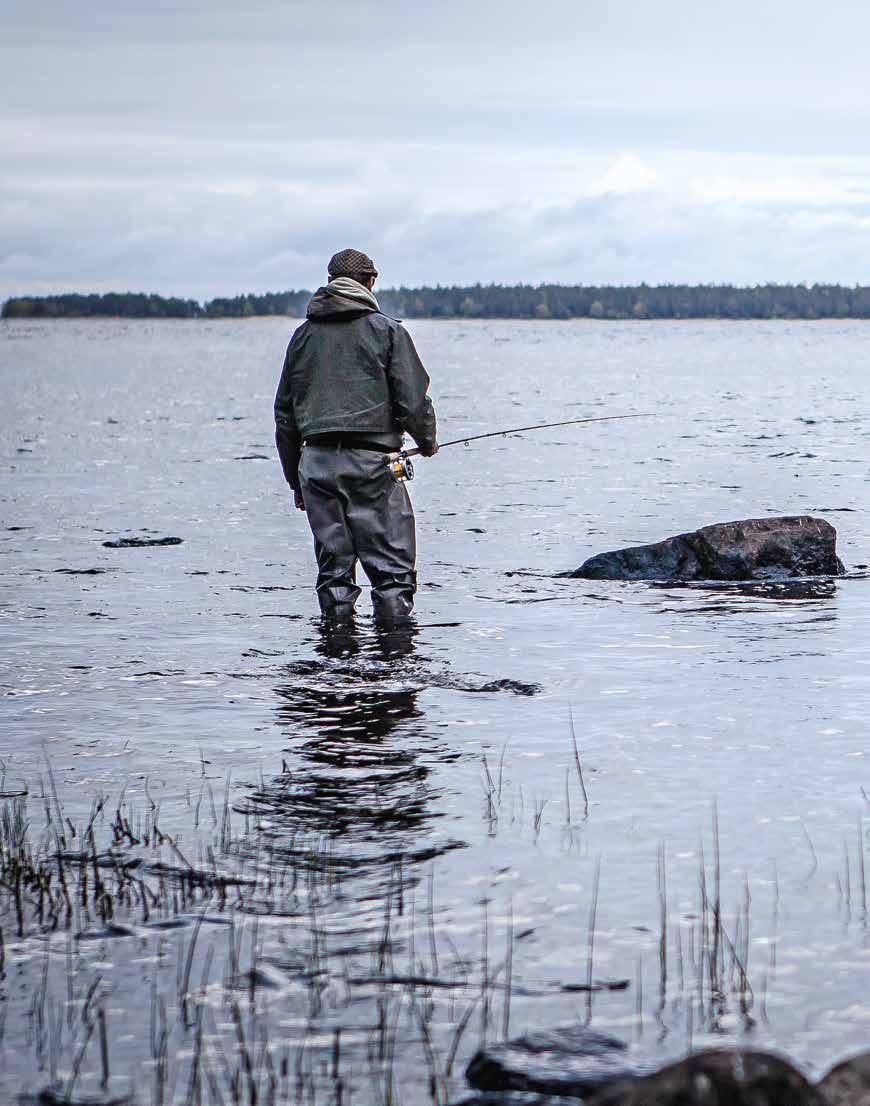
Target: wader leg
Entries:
(325, 506)
(381, 520)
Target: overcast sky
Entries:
(209, 148)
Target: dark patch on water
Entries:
(83, 571)
(538, 599)
(141, 543)
(158, 672)
(183, 921)
(260, 587)
(596, 985)
(108, 932)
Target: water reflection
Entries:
(356, 790)
(806, 596)
(797, 589)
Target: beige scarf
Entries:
(356, 291)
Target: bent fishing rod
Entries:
(400, 466)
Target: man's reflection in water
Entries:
(355, 792)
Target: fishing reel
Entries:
(400, 466)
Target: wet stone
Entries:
(749, 549)
(847, 1084)
(568, 1061)
(716, 1077)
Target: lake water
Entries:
(422, 789)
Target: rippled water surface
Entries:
(427, 783)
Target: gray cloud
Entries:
(204, 244)
(206, 148)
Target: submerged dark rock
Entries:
(140, 543)
(717, 1077)
(515, 1098)
(516, 686)
(570, 1061)
(60, 1096)
(751, 549)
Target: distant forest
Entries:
(491, 301)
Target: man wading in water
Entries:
(352, 383)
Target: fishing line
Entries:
(401, 468)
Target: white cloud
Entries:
(626, 175)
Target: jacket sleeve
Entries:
(287, 437)
(409, 383)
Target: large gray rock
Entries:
(726, 1077)
(752, 549)
(848, 1084)
(572, 1061)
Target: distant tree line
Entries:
(662, 301)
(489, 301)
(138, 305)
(270, 303)
(131, 305)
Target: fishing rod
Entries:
(400, 466)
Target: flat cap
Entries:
(351, 263)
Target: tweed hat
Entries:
(351, 263)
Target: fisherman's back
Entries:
(337, 373)
(352, 384)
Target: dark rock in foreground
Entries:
(847, 1084)
(574, 1065)
(752, 549)
(727, 1077)
(571, 1061)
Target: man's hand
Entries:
(298, 500)
(429, 449)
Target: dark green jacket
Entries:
(350, 369)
